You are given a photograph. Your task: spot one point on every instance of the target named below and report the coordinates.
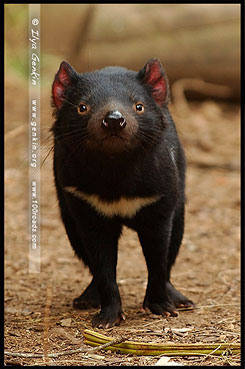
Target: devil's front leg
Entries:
(154, 238)
(101, 242)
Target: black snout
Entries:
(114, 120)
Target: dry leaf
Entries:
(165, 361)
(65, 322)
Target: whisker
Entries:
(69, 102)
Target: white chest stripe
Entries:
(125, 207)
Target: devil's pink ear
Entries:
(154, 76)
(63, 78)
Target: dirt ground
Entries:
(38, 307)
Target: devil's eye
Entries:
(139, 107)
(83, 108)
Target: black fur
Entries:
(143, 160)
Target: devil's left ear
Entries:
(153, 75)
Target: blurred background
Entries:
(199, 47)
(192, 41)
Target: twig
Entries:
(205, 165)
(215, 305)
(195, 84)
(15, 132)
(115, 341)
(69, 352)
(211, 353)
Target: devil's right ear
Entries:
(65, 76)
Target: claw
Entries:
(107, 320)
(165, 308)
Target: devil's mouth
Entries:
(113, 136)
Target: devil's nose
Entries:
(114, 120)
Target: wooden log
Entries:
(192, 40)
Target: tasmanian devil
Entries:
(118, 161)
